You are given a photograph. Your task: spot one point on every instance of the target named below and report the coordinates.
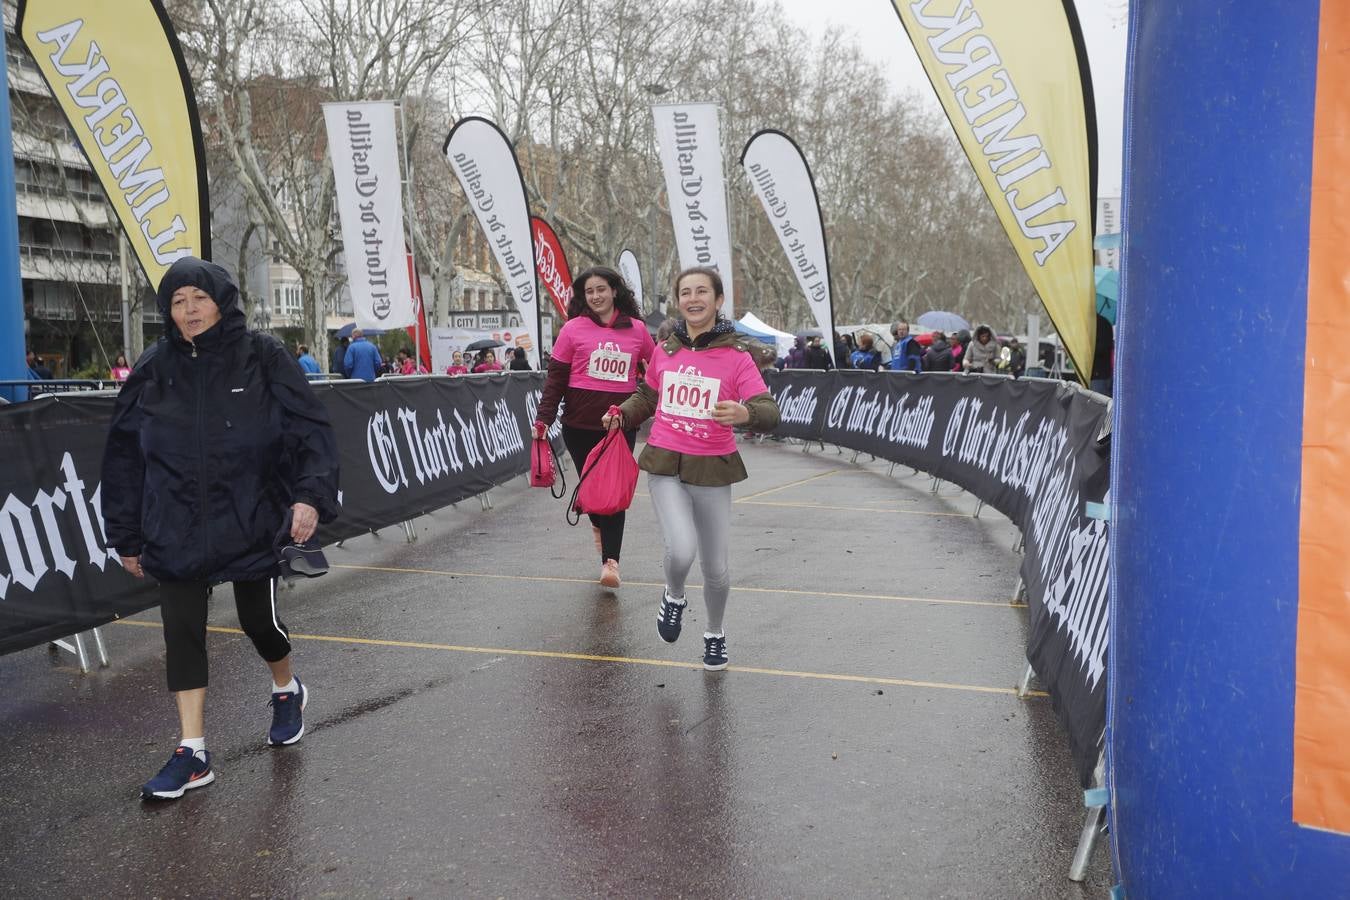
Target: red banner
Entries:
(422, 339)
(552, 263)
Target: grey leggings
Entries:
(695, 518)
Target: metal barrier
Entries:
(58, 386)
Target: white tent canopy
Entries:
(782, 340)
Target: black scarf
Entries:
(721, 325)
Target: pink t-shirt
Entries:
(601, 358)
(688, 385)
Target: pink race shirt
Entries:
(603, 359)
(688, 385)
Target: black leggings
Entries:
(182, 605)
(580, 442)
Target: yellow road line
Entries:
(783, 487)
(906, 512)
(652, 584)
(628, 660)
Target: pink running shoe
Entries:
(609, 573)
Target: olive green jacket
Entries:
(707, 471)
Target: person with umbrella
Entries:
(597, 358)
(938, 358)
(487, 362)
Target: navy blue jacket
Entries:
(210, 443)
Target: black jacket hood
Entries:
(215, 281)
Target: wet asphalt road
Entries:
(486, 721)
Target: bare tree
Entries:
(268, 68)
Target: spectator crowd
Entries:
(936, 351)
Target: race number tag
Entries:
(609, 365)
(691, 396)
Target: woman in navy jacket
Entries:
(215, 438)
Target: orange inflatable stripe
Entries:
(1322, 680)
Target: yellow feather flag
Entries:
(118, 73)
(1011, 79)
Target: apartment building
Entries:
(69, 256)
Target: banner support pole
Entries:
(126, 296)
(12, 366)
(1092, 822)
(81, 654)
(723, 120)
(412, 242)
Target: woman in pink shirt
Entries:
(487, 363)
(702, 383)
(597, 358)
(121, 370)
(457, 366)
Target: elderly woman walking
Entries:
(217, 442)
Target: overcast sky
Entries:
(876, 28)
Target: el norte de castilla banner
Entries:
(688, 136)
(118, 74)
(1012, 79)
(405, 447)
(485, 164)
(363, 147)
(782, 180)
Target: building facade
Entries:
(70, 261)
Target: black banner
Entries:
(406, 447)
(1027, 447)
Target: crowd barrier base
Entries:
(1094, 823)
(76, 646)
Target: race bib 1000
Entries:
(610, 365)
(691, 396)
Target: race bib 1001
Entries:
(610, 365)
(691, 396)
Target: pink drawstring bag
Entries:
(608, 478)
(544, 468)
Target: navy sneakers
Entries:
(288, 720)
(714, 652)
(668, 619)
(183, 772)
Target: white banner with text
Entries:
(782, 180)
(485, 164)
(689, 139)
(363, 144)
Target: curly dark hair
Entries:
(624, 300)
